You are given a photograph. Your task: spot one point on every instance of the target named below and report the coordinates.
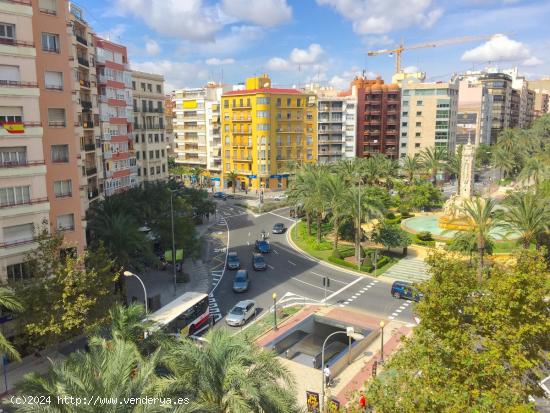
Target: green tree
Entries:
(335, 189)
(9, 301)
(484, 219)
(198, 173)
(390, 236)
(229, 373)
(418, 196)
(483, 155)
(503, 161)
(433, 160)
(465, 242)
(63, 297)
(527, 215)
(411, 166)
(454, 164)
(232, 177)
(535, 169)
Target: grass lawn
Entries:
(265, 323)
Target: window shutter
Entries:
(9, 73)
(54, 80)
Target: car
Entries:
(262, 246)
(241, 282)
(233, 262)
(241, 313)
(258, 262)
(404, 289)
(278, 228)
(279, 197)
(220, 195)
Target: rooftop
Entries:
(263, 90)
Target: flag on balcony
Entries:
(14, 127)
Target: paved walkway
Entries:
(410, 268)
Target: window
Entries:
(62, 189)
(137, 155)
(133, 85)
(60, 153)
(418, 113)
(13, 156)
(162, 153)
(225, 103)
(404, 123)
(157, 154)
(309, 140)
(7, 33)
(18, 233)
(159, 89)
(56, 117)
(163, 168)
(417, 145)
(65, 222)
(403, 144)
(417, 134)
(404, 114)
(9, 75)
(262, 101)
(298, 102)
(418, 124)
(419, 103)
(48, 6)
(152, 170)
(53, 80)
(18, 272)
(278, 102)
(158, 169)
(16, 195)
(151, 154)
(288, 101)
(50, 42)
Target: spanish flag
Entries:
(14, 127)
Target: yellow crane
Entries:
(401, 48)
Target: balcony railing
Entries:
(27, 202)
(81, 39)
(13, 42)
(16, 83)
(83, 62)
(54, 87)
(94, 193)
(88, 125)
(15, 243)
(51, 12)
(91, 171)
(20, 164)
(85, 83)
(57, 123)
(86, 104)
(89, 147)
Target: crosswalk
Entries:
(216, 277)
(399, 310)
(358, 293)
(213, 307)
(410, 269)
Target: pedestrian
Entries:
(362, 402)
(246, 191)
(326, 372)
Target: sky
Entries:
(296, 42)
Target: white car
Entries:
(279, 197)
(241, 313)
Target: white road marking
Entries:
(354, 296)
(402, 307)
(398, 310)
(249, 234)
(344, 288)
(407, 303)
(247, 242)
(311, 285)
(364, 290)
(271, 267)
(331, 279)
(281, 216)
(291, 263)
(275, 251)
(391, 317)
(394, 314)
(342, 305)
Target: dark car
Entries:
(403, 289)
(262, 246)
(220, 195)
(258, 262)
(278, 228)
(233, 262)
(241, 282)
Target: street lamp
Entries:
(274, 296)
(350, 332)
(131, 274)
(173, 239)
(358, 230)
(382, 324)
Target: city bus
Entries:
(184, 316)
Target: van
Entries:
(403, 289)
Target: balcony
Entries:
(20, 164)
(89, 147)
(81, 40)
(44, 10)
(86, 105)
(84, 62)
(28, 202)
(91, 171)
(13, 42)
(13, 83)
(93, 193)
(88, 125)
(16, 243)
(57, 123)
(85, 83)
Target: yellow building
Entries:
(266, 133)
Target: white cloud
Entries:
(152, 47)
(384, 16)
(114, 33)
(410, 69)
(214, 61)
(342, 81)
(532, 61)
(310, 57)
(177, 75)
(238, 38)
(383, 40)
(497, 49)
(268, 13)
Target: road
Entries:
(293, 275)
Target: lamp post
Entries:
(131, 274)
(274, 296)
(350, 332)
(382, 324)
(358, 230)
(173, 239)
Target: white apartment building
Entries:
(475, 117)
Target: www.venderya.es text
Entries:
(94, 400)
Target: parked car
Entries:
(278, 228)
(233, 262)
(403, 289)
(262, 246)
(280, 197)
(241, 282)
(241, 313)
(220, 195)
(258, 262)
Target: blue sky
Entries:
(299, 41)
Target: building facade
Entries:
(116, 116)
(540, 104)
(428, 116)
(24, 204)
(266, 133)
(378, 111)
(150, 141)
(474, 119)
(169, 127)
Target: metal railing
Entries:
(19, 164)
(17, 83)
(57, 123)
(13, 42)
(88, 125)
(81, 39)
(83, 61)
(91, 171)
(27, 202)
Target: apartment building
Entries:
(378, 111)
(522, 102)
(150, 140)
(116, 116)
(266, 133)
(474, 119)
(65, 55)
(169, 127)
(24, 205)
(213, 132)
(428, 116)
(540, 103)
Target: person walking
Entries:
(326, 372)
(362, 402)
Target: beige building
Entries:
(428, 116)
(540, 105)
(474, 118)
(24, 206)
(150, 140)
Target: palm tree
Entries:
(198, 172)
(9, 301)
(483, 219)
(535, 168)
(503, 161)
(454, 164)
(110, 369)
(335, 191)
(433, 160)
(508, 140)
(127, 322)
(232, 177)
(527, 215)
(465, 242)
(347, 169)
(229, 373)
(410, 166)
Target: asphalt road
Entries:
(294, 276)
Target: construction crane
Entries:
(401, 48)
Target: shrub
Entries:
(424, 236)
(339, 261)
(393, 221)
(336, 254)
(390, 215)
(347, 230)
